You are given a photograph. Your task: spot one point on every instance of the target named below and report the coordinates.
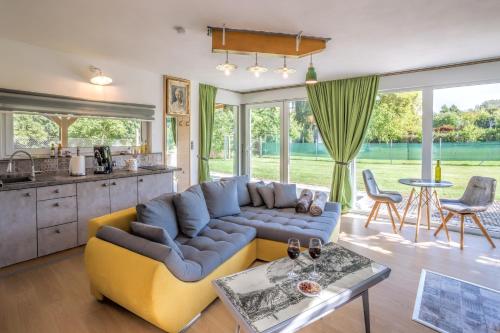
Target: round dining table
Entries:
(426, 197)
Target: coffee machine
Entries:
(103, 162)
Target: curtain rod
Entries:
(409, 71)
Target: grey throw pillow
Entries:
(254, 194)
(285, 195)
(267, 194)
(241, 182)
(154, 234)
(221, 198)
(192, 212)
(160, 212)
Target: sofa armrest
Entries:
(120, 219)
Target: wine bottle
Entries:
(52, 151)
(59, 150)
(437, 172)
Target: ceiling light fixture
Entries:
(256, 69)
(311, 76)
(285, 71)
(226, 67)
(98, 78)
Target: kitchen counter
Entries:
(60, 178)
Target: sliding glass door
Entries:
(466, 134)
(224, 152)
(264, 146)
(393, 144)
(309, 163)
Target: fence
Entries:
(446, 151)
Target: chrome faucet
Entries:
(9, 166)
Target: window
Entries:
(466, 134)
(393, 144)
(265, 142)
(224, 154)
(34, 131)
(310, 164)
(87, 132)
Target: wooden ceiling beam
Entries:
(270, 43)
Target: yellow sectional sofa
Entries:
(147, 288)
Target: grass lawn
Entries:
(318, 172)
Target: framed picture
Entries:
(177, 95)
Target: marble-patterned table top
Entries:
(264, 299)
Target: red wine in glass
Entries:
(293, 253)
(315, 253)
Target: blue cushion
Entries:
(254, 193)
(221, 198)
(285, 195)
(281, 224)
(241, 183)
(267, 194)
(215, 244)
(154, 234)
(159, 212)
(192, 212)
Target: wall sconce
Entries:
(98, 78)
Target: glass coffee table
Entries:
(264, 299)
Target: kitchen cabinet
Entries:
(57, 238)
(18, 232)
(93, 201)
(151, 186)
(122, 193)
(47, 219)
(56, 211)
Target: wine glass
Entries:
(293, 253)
(315, 253)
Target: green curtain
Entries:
(342, 109)
(207, 112)
(173, 122)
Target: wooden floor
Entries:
(51, 294)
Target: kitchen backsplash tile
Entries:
(62, 163)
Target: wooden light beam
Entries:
(270, 43)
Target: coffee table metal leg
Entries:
(366, 311)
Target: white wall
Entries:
(31, 68)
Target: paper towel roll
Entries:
(77, 166)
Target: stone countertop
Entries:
(61, 178)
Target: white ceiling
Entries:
(368, 36)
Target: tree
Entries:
(447, 118)
(224, 126)
(396, 117)
(303, 123)
(103, 131)
(34, 131)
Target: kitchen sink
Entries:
(14, 179)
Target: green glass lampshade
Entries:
(311, 77)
